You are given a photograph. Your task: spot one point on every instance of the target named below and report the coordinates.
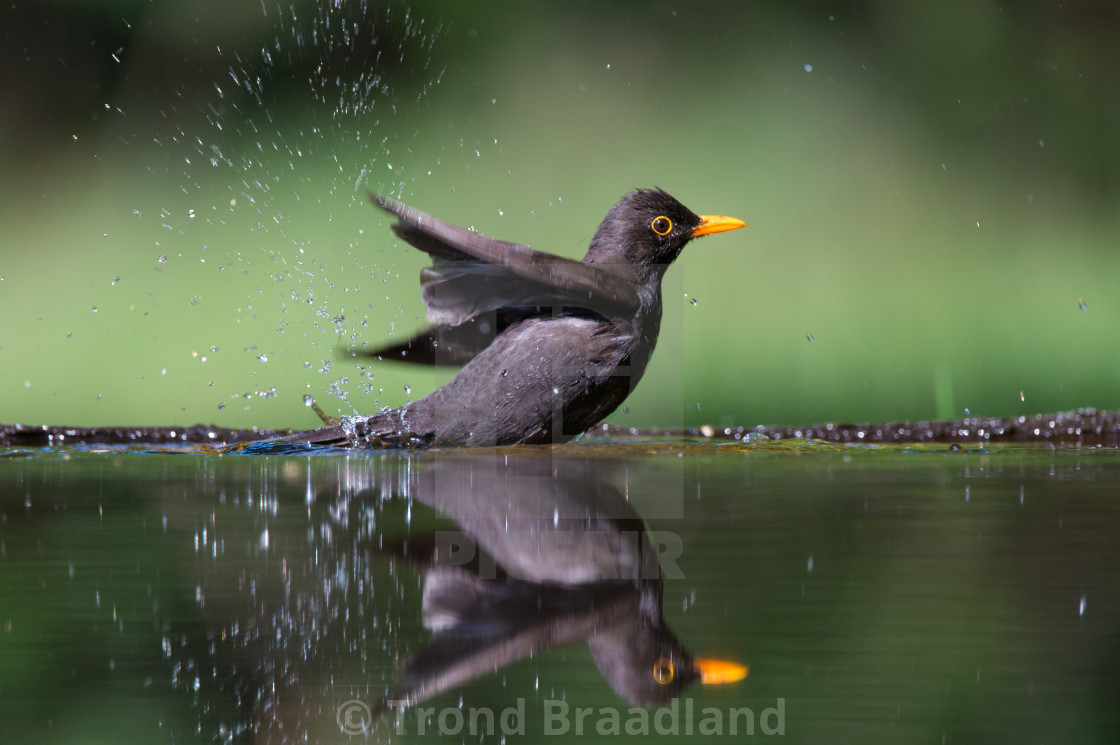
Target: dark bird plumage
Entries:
(549, 346)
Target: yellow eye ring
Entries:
(661, 225)
(664, 671)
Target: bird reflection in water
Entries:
(296, 585)
(548, 553)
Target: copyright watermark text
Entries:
(558, 717)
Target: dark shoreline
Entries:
(1078, 428)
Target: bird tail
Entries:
(386, 430)
(332, 434)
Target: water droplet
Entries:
(809, 68)
(262, 357)
(809, 337)
(162, 259)
(221, 406)
(505, 373)
(1022, 397)
(1081, 606)
(1081, 304)
(408, 390)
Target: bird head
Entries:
(647, 665)
(648, 227)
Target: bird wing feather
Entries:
(472, 272)
(473, 276)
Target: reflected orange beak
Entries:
(717, 672)
(716, 224)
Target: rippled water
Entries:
(877, 594)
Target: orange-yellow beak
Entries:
(716, 672)
(716, 224)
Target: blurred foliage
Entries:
(932, 191)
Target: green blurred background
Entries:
(932, 194)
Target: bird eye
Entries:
(661, 225)
(663, 670)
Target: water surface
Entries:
(877, 594)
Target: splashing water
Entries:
(299, 119)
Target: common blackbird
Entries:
(550, 346)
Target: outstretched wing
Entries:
(472, 273)
(478, 286)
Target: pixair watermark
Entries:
(558, 717)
